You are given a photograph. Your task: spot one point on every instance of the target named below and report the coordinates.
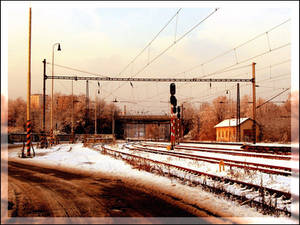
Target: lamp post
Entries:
(58, 49)
(229, 109)
(113, 118)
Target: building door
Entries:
(248, 134)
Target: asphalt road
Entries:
(35, 191)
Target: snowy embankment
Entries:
(79, 157)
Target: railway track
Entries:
(248, 193)
(279, 150)
(279, 170)
(235, 152)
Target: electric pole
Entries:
(43, 144)
(254, 104)
(28, 143)
(238, 115)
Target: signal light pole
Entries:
(173, 102)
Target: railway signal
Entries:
(173, 102)
(178, 112)
(172, 89)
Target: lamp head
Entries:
(58, 49)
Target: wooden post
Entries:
(28, 143)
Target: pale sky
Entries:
(103, 37)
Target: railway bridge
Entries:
(151, 127)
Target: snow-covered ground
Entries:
(274, 162)
(268, 180)
(79, 157)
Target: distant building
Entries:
(226, 130)
(36, 101)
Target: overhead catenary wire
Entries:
(272, 98)
(206, 75)
(244, 85)
(149, 42)
(221, 71)
(214, 73)
(78, 70)
(248, 59)
(277, 77)
(165, 50)
(245, 60)
(233, 49)
(179, 39)
(273, 65)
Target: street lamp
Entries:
(229, 102)
(58, 49)
(229, 92)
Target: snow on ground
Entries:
(293, 163)
(77, 156)
(285, 163)
(268, 180)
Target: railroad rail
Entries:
(281, 150)
(224, 182)
(227, 151)
(285, 171)
(268, 149)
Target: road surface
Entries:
(37, 191)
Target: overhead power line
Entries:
(78, 70)
(150, 42)
(248, 59)
(164, 51)
(175, 42)
(272, 98)
(233, 49)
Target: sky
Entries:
(104, 37)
